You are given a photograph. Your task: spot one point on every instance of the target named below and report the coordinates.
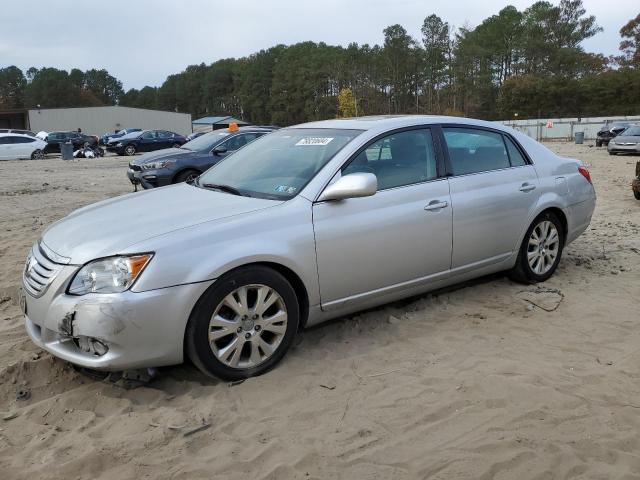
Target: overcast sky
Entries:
(142, 41)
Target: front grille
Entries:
(137, 168)
(40, 270)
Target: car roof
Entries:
(255, 129)
(16, 134)
(386, 122)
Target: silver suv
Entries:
(306, 224)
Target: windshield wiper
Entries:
(222, 188)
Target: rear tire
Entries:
(186, 176)
(636, 194)
(598, 143)
(232, 334)
(129, 150)
(540, 251)
(176, 145)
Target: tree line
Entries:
(515, 63)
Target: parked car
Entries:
(145, 141)
(628, 141)
(194, 135)
(17, 130)
(18, 146)
(305, 224)
(54, 139)
(608, 131)
(183, 164)
(107, 137)
(635, 184)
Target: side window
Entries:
(517, 160)
(399, 159)
(234, 143)
(474, 150)
(250, 137)
(4, 140)
(23, 140)
(149, 135)
(163, 134)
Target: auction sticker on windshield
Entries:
(314, 141)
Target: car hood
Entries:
(166, 152)
(111, 226)
(626, 139)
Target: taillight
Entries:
(585, 173)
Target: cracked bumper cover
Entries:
(141, 329)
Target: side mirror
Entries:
(219, 150)
(351, 186)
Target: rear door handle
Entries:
(527, 187)
(436, 205)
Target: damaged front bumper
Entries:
(111, 331)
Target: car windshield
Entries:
(633, 131)
(131, 135)
(279, 165)
(204, 143)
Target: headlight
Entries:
(109, 275)
(157, 164)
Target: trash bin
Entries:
(579, 138)
(66, 150)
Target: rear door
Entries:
(493, 191)
(164, 140)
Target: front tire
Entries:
(129, 150)
(540, 251)
(612, 153)
(186, 176)
(37, 155)
(598, 143)
(176, 145)
(243, 324)
(636, 193)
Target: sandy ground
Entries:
(475, 382)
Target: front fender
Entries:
(282, 235)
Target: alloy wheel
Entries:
(247, 326)
(543, 247)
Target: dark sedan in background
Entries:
(177, 165)
(54, 139)
(145, 141)
(609, 131)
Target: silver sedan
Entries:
(303, 225)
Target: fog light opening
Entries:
(91, 345)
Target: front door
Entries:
(493, 193)
(148, 141)
(393, 239)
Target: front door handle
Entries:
(527, 187)
(436, 205)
